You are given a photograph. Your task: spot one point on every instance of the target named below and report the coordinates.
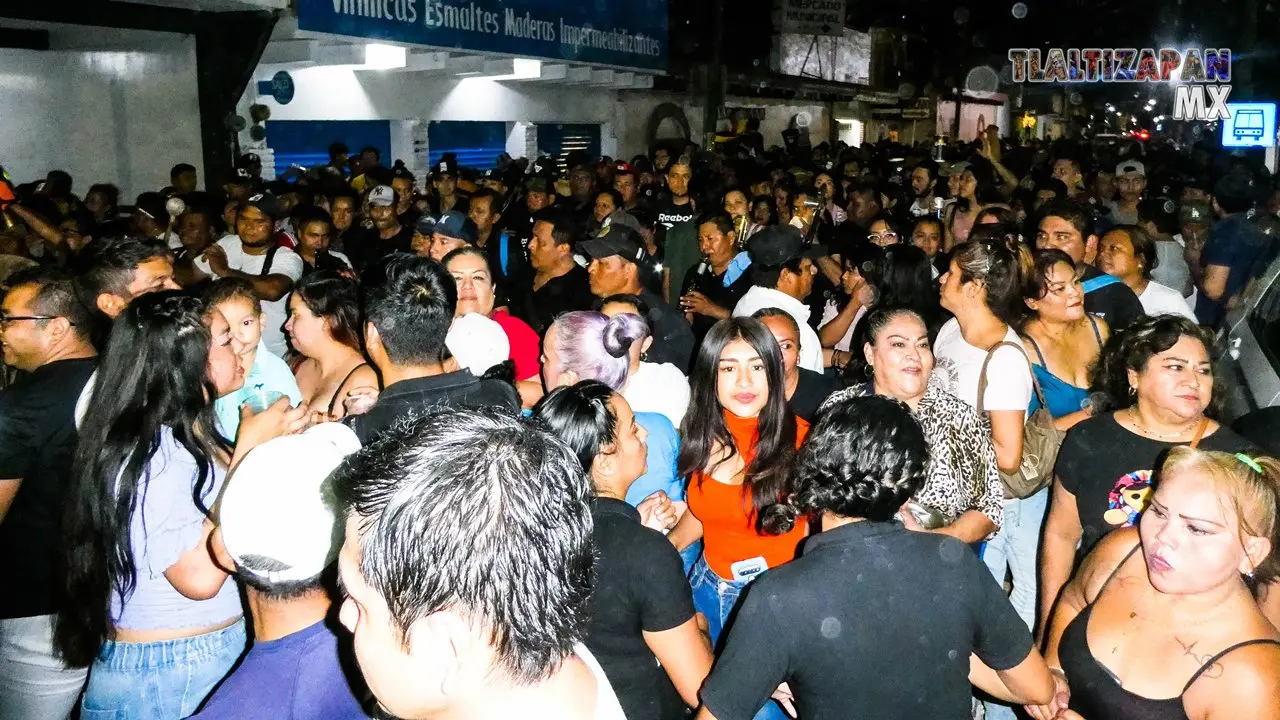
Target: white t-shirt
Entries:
(658, 388)
(607, 705)
(758, 298)
(285, 262)
(829, 312)
(1157, 299)
(959, 363)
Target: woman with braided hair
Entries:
(874, 620)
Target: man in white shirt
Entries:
(782, 272)
(490, 632)
(253, 254)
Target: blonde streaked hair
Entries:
(1248, 487)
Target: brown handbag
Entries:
(1040, 439)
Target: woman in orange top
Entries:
(737, 443)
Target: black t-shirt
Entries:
(364, 247)
(565, 293)
(1108, 469)
(704, 279)
(671, 214)
(872, 621)
(1261, 427)
(511, 272)
(37, 443)
(672, 337)
(640, 587)
(410, 398)
(812, 390)
(461, 203)
(1116, 303)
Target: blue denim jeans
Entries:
(716, 598)
(1015, 548)
(159, 680)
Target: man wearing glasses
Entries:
(44, 331)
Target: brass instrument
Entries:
(740, 227)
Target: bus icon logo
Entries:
(1249, 124)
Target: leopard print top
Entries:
(962, 474)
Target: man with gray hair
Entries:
(467, 568)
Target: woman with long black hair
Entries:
(738, 441)
(146, 603)
(739, 438)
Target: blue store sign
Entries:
(621, 33)
(280, 87)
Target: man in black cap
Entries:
(445, 181)
(253, 164)
(388, 235)
(539, 194)
(240, 185)
(618, 261)
(582, 195)
(254, 254)
(452, 231)
(1235, 245)
(151, 219)
(782, 272)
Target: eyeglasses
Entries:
(886, 235)
(6, 319)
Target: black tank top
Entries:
(1097, 695)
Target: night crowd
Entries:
(825, 432)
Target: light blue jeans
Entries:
(1015, 549)
(716, 598)
(159, 680)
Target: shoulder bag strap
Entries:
(271, 256)
(982, 377)
(1098, 283)
(1204, 425)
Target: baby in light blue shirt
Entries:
(263, 370)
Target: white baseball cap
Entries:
(1130, 168)
(279, 504)
(477, 343)
(382, 196)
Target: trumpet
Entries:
(740, 226)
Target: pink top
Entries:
(525, 346)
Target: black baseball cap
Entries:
(266, 202)
(446, 166)
(454, 224)
(152, 204)
(249, 160)
(615, 239)
(775, 245)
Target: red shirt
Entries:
(525, 345)
(725, 511)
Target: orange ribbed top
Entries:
(728, 527)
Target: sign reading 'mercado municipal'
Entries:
(621, 33)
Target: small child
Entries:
(239, 303)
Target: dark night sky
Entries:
(935, 43)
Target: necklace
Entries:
(1133, 418)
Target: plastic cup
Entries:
(260, 399)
